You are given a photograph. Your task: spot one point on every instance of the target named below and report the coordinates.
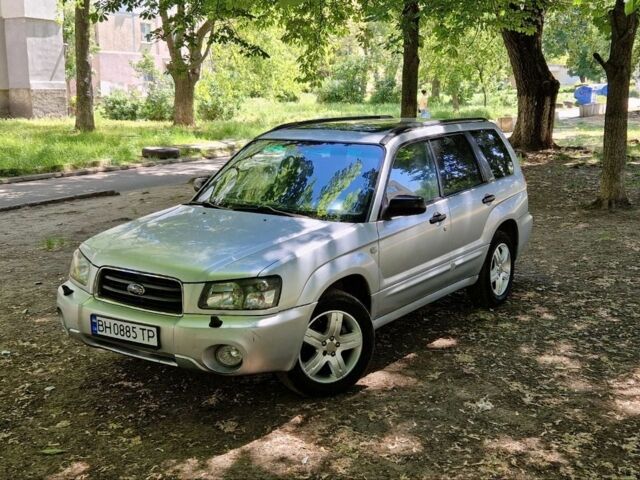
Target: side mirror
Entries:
(404, 206)
(199, 182)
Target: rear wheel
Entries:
(336, 349)
(496, 277)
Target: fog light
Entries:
(229, 356)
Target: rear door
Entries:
(466, 185)
(414, 250)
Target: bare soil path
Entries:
(547, 386)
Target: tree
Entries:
(190, 28)
(623, 24)
(536, 86)
(84, 85)
(410, 26)
(473, 58)
(521, 24)
(571, 35)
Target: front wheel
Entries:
(336, 349)
(496, 277)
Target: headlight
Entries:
(80, 267)
(250, 294)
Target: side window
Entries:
(457, 163)
(495, 151)
(413, 173)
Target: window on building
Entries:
(145, 32)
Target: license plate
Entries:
(128, 332)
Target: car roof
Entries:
(370, 129)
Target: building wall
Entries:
(31, 59)
(121, 44)
(4, 76)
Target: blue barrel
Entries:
(585, 95)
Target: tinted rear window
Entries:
(457, 163)
(495, 151)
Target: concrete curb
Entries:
(104, 193)
(216, 152)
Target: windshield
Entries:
(329, 181)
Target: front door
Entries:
(413, 257)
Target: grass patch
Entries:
(53, 243)
(52, 145)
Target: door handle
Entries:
(488, 198)
(437, 218)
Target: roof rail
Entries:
(328, 120)
(411, 125)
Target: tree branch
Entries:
(601, 61)
(176, 55)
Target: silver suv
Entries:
(309, 239)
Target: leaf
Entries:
(52, 451)
(631, 6)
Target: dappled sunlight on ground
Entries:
(281, 452)
(75, 471)
(626, 392)
(533, 449)
(392, 376)
(442, 344)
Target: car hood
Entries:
(197, 244)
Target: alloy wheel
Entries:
(331, 347)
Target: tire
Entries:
(329, 369)
(490, 291)
(161, 153)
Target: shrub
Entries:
(347, 84)
(217, 97)
(385, 91)
(158, 104)
(120, 105)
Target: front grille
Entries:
(160, 294)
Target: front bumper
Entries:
(268, 343)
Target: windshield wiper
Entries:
(264, 209)
(208, 204)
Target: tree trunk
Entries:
(536, 86)
(183, 112)
(84, 87)
(583, 79)
(410, 58)
(435, 88)
(455, 101)
(618, 70)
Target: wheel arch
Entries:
(355, 285)
(510, 227)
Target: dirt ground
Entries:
(548, 386)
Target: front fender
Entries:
(362, 262)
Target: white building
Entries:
(31, 60)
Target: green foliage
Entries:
(468, 61)
(273, 77)
(348, 82)
(158, 102)
(120, 105)
(217, 96)
(572, 37)
(385, 90)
